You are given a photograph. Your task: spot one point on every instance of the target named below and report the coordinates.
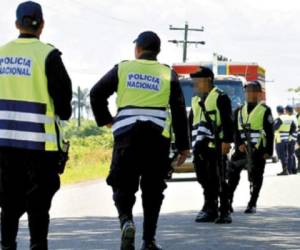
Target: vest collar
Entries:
(254, 109)
(145, 61)
(211, 92)
(26, 40)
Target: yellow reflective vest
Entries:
(283, 132)
(27, 115)
(253, 123)
(143, 95)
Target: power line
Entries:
(101, 12)
(185, 42)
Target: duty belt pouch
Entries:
(171, 166)
(63, 157)
(63, 152)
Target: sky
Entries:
(94, 35)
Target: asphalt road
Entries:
(83, 217)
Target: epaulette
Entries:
(51, 45)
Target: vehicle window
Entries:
(234, 89)
(188, 92)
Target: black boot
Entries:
(210, 214)
(294, 171)
(224, 218)
(43, 246)
(128, 236)
(284, 172)
(206, 216)
(251, 209)
(150, 245)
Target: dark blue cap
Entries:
(148, 40)
(254, 86)
(289, 109)
(30, 14)
(203, 72)
(280, 109)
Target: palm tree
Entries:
(295, 90)
(81, 103)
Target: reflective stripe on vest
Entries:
(27, 115)
(22, 124)
(282, 134)
(199, 133)
(127, 117)
(255, 136)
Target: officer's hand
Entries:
(183, 155)
(243, 148)
(266, 156)
(226, 148)
(109, 125)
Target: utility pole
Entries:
(185, 42)
(79, 104)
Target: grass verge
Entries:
(89, 160)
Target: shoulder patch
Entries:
(51, 45)
(220, 91)
(124, 61)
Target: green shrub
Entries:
(90, 152)
(87, 128)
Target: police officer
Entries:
(297, 151)
(35, 93)
(282, 128)
(292, 140)
(212, 133)
(254, 140)
(145, 90)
